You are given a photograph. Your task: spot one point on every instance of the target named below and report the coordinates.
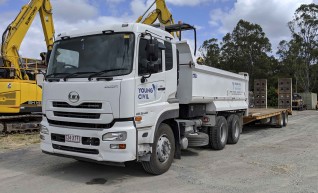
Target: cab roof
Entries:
(120, 27)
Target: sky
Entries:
(213, 18)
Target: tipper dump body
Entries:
(220, 90)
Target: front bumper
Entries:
(101, 152)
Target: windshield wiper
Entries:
(54, 74)
(75, 74)
(104, 71)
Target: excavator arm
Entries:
(161, 13)
(16, 31)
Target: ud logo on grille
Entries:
(73, 97)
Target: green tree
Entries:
(290, 61)
(272, 97)
(210, 52)
(304, 30)
(246, 49)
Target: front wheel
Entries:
(163, 150)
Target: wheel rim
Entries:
(286, 118)
(223, 133)
(237, 130)
(163, 149)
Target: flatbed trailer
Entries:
(277, 117)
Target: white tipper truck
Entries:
(128, 92)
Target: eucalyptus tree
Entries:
(304, 44)
(246, 49)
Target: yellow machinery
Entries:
(161, 13)
(19, 92)
(297, 102)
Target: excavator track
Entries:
(29, 123)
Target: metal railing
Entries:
(28, 66)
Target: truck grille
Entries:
(77, 115)
(81, 125)
(75, 149)
(81, 106)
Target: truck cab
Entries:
(94, 87)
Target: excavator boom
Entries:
(161, 13)
(16, 31)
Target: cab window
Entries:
(169, 56)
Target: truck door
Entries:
(171, 71)
(150, 96)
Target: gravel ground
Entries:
(264, 160)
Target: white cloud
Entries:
(199, 27)
(272, 15)
(113, 6)
(67, 15)
(138, 7)
(186, 2)
(114, 1)
(2, 1)
(74, 10)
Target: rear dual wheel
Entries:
(218, 134)
(234, 129)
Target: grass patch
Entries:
(17, 141)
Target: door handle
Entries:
(162, 88)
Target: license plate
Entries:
(73, 138)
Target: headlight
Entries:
(44, 130)
(118, 136)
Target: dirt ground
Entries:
(17, 141)
(265, 160)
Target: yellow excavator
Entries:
(161, 13)
(19, 92)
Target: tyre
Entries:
(234, 128)
(280, 124)
(218, 134)
(163, 150)
(285, 119)
(198, 139)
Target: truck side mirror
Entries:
(155, 47)
(152, 50)
(153, 68)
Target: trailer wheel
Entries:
(234, 128)
(219, 134)
(285, 119)
(163, 150)
(280, 123)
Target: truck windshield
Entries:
(87, 55)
